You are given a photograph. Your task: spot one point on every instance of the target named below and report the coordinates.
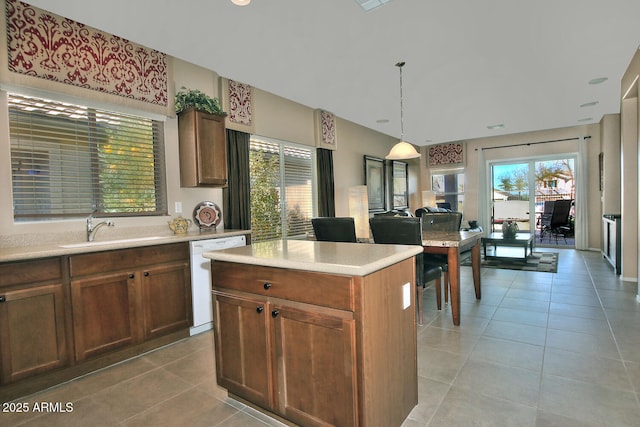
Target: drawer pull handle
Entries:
(267, 285)
(131, 276)
(146, 274)
(3, 298)
(275, 313)
(259, 309)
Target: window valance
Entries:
(50, 52)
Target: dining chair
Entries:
(408, 231)
(442, 221)
(334, 229)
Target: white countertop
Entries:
(353, 259)
(69, 248)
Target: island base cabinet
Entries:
(315, 367)
(243, 363)
(32, 331)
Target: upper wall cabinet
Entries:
(203, 149)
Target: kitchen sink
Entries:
(110, 242)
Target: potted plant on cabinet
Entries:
(187, 99)
(202, 139)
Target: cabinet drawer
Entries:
(127, 259)
(322, 289)
(28, 272)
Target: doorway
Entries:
(525, 192)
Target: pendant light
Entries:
(402, 150)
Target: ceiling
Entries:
(469, 64)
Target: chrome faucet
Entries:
(93, 229)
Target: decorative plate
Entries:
(207, 215)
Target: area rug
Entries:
(539, 261)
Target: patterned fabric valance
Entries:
(46, 46)
(446, 154)
(237, 101)
(325, 128)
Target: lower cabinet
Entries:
(307, 374)
(166, 299)
(105, 316)
(32, 331)
(124, 297)
(315, 348)
(315, 366)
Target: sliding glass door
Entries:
(510, 195)
(521, 189)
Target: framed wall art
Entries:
(374, 179)
(400, 184)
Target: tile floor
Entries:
(540, 349)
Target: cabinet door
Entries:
(211, 149)
(32, 331)
(166, 296)
(315, 365)
(243, 362)
(104, 313)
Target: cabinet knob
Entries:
(2, 298)
(146, 274)
(267, 285)
(259, 309)
(131, 276)
(275, 313)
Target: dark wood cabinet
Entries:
(124, 297)
(166, 299)
(314, 348)
(33, 334)
(104, 313)
(243, 362)
(203, 149)
(315, 377)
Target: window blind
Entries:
(70, 160)
(282, 195)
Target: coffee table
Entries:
(524, 240)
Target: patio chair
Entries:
(556, 224)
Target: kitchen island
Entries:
(318, 333)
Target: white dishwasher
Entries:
(201, 278)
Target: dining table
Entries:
(452, 244)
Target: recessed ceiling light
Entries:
(241, 2)
(598, 80)
(498, 126)
(368, 5)
(382, 121)
(589, 104)
(586, 119)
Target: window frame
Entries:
(85, 123)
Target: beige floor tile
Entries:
(525, 317)
(499, 381)
(508, 353)
(192, 408)
(516, 332)
(588, 402)
(439, 365)
(467, 408)
(589, 368)
(582, 343)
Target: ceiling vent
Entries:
(368, 5)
